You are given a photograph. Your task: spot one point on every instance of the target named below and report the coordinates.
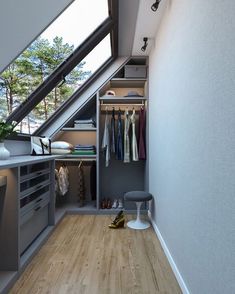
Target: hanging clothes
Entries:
(106, 142)
(113, 133)
(119, 149)
(63, 180)
(93, 181)
(142, 150)
(126, 137)
(134, 147)
(81, 185)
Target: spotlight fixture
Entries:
(143, 48)
(155, 5)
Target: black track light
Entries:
(155, 5)
(143, 48)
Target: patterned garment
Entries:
(113, 133)
(134, 147)
(142, 152)
(81, 185)
(119, 151)
(126, 137)
(63, 180)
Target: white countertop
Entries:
(20, 160)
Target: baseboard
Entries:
(169, 257)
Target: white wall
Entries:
(192, 141)
(21, 22)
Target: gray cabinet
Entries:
(26, 212)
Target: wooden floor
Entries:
(84, 256)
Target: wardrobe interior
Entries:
(101, 182)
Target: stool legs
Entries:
(138, 224)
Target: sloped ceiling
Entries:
(22, 21)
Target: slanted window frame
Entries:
(109, 26)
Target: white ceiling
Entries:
(136, 21)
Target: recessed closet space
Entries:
(76, 171)
(122, 109)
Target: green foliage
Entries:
(30, 69)
(6, 129)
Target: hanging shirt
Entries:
(126, 137)
(119, 151)
(134, 147)
(113, 133)
(106, 142)
(142, 152)
(63, 180)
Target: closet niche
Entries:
(81, 191)
(123, 94)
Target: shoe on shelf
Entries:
(115, 204)
(120, 204)
(109, 204)
(118, 224)
(103, 204)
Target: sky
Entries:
(76, 23)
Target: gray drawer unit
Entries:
(27, 209)
(32, 224)
(135, 71)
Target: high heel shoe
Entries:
(118, 216)
(118, 224)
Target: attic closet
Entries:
(106, 176)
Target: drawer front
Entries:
(33, 211)
(134, 71)
(30, 229)
(35, 203)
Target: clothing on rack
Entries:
(134, 147)
(113, 133)
(63, 180)
(142, 150)
(126, 137)
(119, 151)
(106, 142)
(93, 181)
(81, 185)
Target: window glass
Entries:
(49, 50)
(92, 62)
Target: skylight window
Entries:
(48, 51)
(73, 81)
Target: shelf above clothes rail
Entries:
(122, 101)
(71, 157)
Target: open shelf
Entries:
(128, 82)
(78, 129)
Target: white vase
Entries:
(4, 153)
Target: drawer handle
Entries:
(40, 199)
(39, 173)
(36, 209)
(39, 187)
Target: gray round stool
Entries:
(139, 197)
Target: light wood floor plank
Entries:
(84, 256)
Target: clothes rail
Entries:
(75, 159)
(122, 104)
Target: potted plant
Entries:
(6, 129)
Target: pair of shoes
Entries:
(117, 204)
(106, 204)
(118, 222)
